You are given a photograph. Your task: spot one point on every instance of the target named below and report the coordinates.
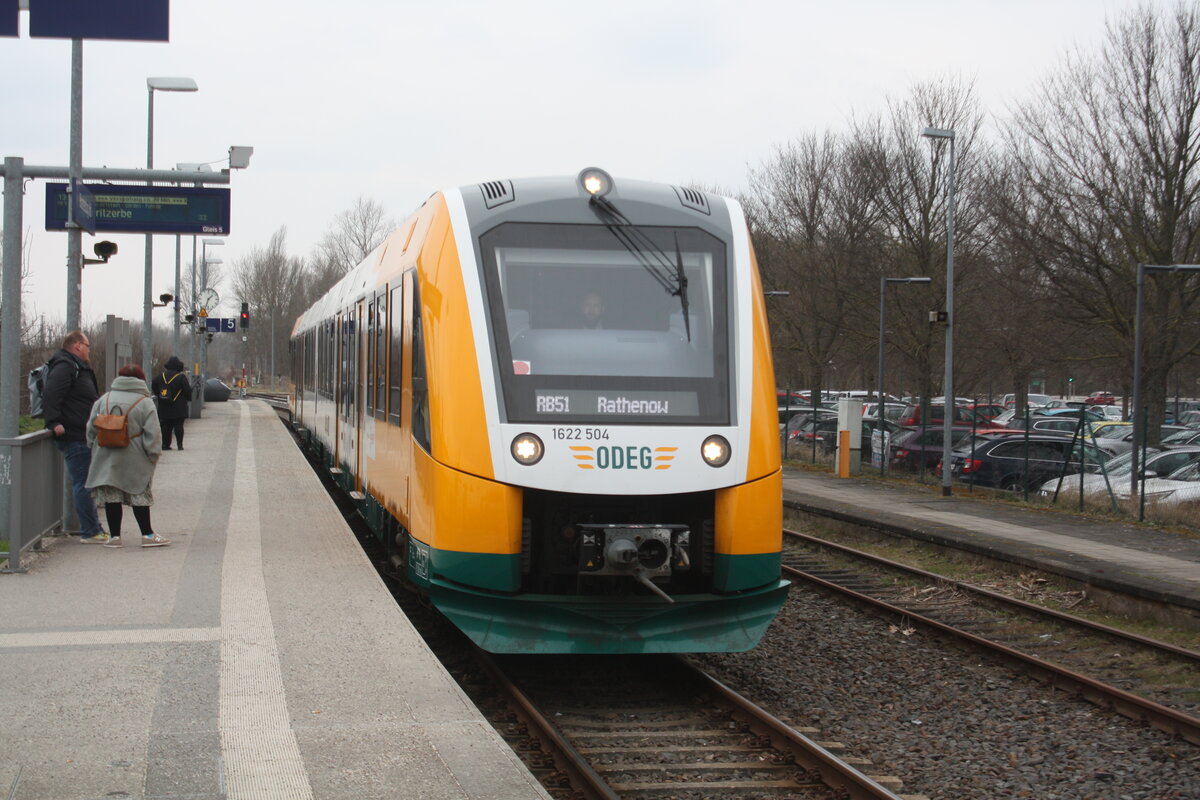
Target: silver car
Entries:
(1159, 464)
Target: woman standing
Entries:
(122, 475)
(173, 392)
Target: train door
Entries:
(362, 384)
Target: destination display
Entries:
(187, 210)
(129, 20)
(591, 403)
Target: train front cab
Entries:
(573, 553)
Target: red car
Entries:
(986, 411)
(1101, 399)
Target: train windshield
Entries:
(584, 332)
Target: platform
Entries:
(1140, 560)
(258, 656)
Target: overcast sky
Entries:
(393, 100)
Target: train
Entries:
(553, 402)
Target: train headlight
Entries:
(715, 451)
(527, 449)
(595, 181)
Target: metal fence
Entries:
(32, 474)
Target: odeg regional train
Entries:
(553, 400)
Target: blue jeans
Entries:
(78, 457)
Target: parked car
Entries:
(1114, 413)
(824, 432)
(1010, 462)
(958, 401)
(1061, 424)
(1117, 439)
(891, 411)
(1101, 399)
(915, 447)
(1033, 400)
(1159, 464)
(802, 417)
(911, 416)
(1180, 487)
(1181, 438)
(986, 410)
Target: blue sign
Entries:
(9, 18)
(139, 20)
(83, 207)
(188, 210)
(220, 324)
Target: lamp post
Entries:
(153, 85)
(204, 262)
(883, 282)
(948, 381)
(1139, 421)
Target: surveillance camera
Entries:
(188, 318)
(105, 249)
(166, 297)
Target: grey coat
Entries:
(130, 469)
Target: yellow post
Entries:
(843, 454)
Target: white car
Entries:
(1181, 486)
(1160, 465)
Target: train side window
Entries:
(379, 349)
(395, 318)
(420, 385)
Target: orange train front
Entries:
(553, 401)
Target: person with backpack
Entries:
(126, 443)
(173, 391)
(69, 389)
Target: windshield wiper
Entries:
(669, 275)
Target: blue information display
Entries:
(137, 20)
(220, 324)
(9, 17)
(188, 210)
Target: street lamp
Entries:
(155, 85)
(204, 262)
(1139, 420)
(948, 381)
(883, 282)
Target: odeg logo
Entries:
(628, 457)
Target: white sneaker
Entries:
(154, 540)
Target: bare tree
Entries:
(271, 282)
(1109, 154)
(809, 212)
(912, 204)
(354, 234)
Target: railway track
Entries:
(650, 727)
(642, 726)
(1138, 677)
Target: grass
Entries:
(27, 424)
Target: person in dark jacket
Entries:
(173, 391)
(69, 392)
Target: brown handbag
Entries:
(112, 430)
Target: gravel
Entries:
(945, 721)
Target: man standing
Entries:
(68, 395)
